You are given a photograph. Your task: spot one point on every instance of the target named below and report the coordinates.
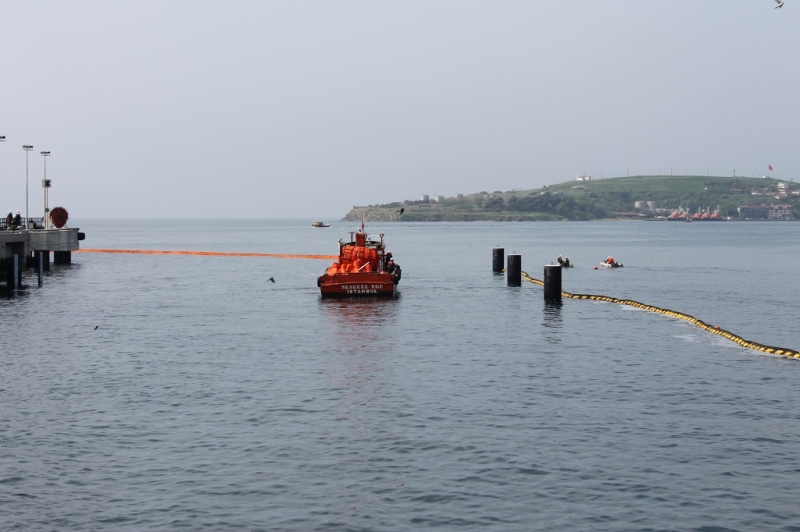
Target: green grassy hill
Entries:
(589, 200)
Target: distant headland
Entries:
(633, 197)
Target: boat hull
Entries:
(357, 284)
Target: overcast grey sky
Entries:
(299, 108)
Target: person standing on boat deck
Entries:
(567, 263)
(560, 261)
(389, 262)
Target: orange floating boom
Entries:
(206, 253)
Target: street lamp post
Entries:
(27, 148)
(46, 187)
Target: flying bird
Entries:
(402, 210)
(271, 279)
(95, 327)
(780, 4)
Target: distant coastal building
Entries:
(640, 204)
(424, 197)
(438, 198)
(459, 197)
(584, 177)
(766, 212)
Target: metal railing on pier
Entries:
(22, 223)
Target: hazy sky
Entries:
(244, 109)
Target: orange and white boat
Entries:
(679, 215)
(364, 268)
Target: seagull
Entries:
(780, 4)
(402, 209)
(271, 279)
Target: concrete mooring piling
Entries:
(552, 282)
(514, 270)
(40, 256)
(498, 254)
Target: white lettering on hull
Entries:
(362, 288)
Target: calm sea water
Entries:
(187, 392)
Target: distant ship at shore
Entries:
(707, 216)
(679, 215)
(702, 215)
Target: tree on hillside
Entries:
(495, 204)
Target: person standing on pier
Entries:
(17, 220)
(9, 220)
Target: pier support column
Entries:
(40, 256)
(62, 257)
(552, 282)
(497, 260)
(45, 254)
(9, 274)
(514, 270)
(14, 278)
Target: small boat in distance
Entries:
(610, 263)
(564, 263)
(320, 224)
(364, 268)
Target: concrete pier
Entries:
(27, 245)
